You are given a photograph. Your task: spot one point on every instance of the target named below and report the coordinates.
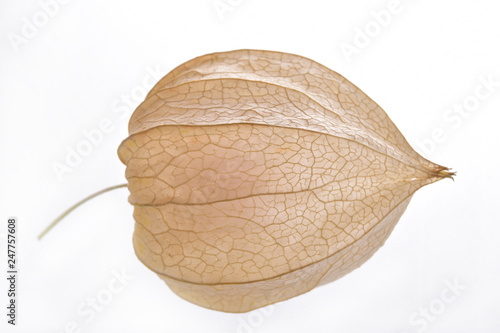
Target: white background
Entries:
(76, 68)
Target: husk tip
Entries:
(446, 173)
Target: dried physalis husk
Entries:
(257, 176)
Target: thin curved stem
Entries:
(69, 210)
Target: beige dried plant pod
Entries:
(257, 176)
